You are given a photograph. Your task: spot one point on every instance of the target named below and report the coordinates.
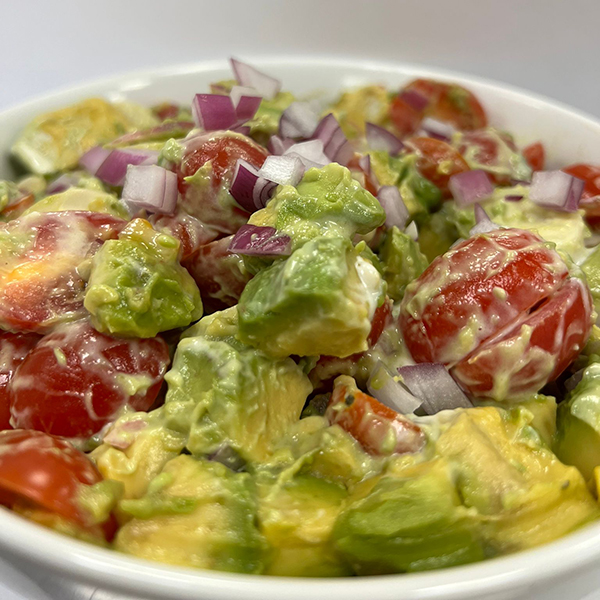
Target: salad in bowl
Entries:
(298, 337)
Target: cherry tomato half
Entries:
(438, 161)
(44, 471)
(14, 347)
(39, 283)
(76, 380)
(379, 429)
(405, 118)
(502, 283)
(205, 202)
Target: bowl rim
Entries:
(85, 562)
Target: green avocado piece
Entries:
(411, 523)
(402, 262)
(328, 202)
(56, 140)
(197, 514)
(77, 198)
(265, 122)
(418, 194)
(591, 268)
(296, 517)
(318, 301)
(223, 393)
(578, 438)
(138, 288)
(355, 108)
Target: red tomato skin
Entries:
(405, 119)
(222, 149)
(70, 384)
(477, 287)
(535, 155)
(370, 423)
(219, 274)
(548, 340)
(40, 286)
(14, 347)
(44, 471)
(590, 200)
(438, 161)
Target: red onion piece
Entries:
(246, 75)
(226, 455)
(345, 153)
(252, 240)
(379, 138)
(411, 231)
(556, 190)
(172, 129)
(62, 183)
(213, 112)
(298, 120)
(243, 129)
(93, 159)
(396, 213)
(310, 153)
(470, 187)
(278, 145)
(284, 170)
(431, 383)
(439, 130)
(152, 188)
(114, 168)
(385, 389)
(415, 99)
(245, 101)
(364, 162)
(249, 189)
(483, 224)
(514, 197)
(327, 126)
(335, 144)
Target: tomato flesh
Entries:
(76, 380)
(590, 199)
(535, 155)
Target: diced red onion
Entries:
(345, 153)
(327, 126)
(431, 383)
(243, 129)
(556, 190)
(379, 138)
(278, 145)
(335, 144)
(440, 130)
(151, 188)
(226, 455)
(246, 75)
(213, 112)
(245, 101)
(415, 99)
(93, 159)
(411, 231)
(62, 183)
(396, 213)
(298, 120)
(483, 224)
(249, 189)
(574, 380)
(385, 389)
(470, 187)
(364, 162)
(172, 129)
(284, 170)
(252, 240)
(114, 168)
(514, 197)
(310, 153)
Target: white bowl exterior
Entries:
(569, 136)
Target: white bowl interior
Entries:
(569, 137)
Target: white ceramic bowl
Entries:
(568, 135)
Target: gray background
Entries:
(548, 46)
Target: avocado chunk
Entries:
(138, 288)
(578, 438)
(296, 517)
(196, 514)
(355, 107)
(402, 260)
(77, 198)
(318, 301)
(224, 393)
(56, 140)
(328, 202)
(265, 122)
(410, 523)
(591, 268)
